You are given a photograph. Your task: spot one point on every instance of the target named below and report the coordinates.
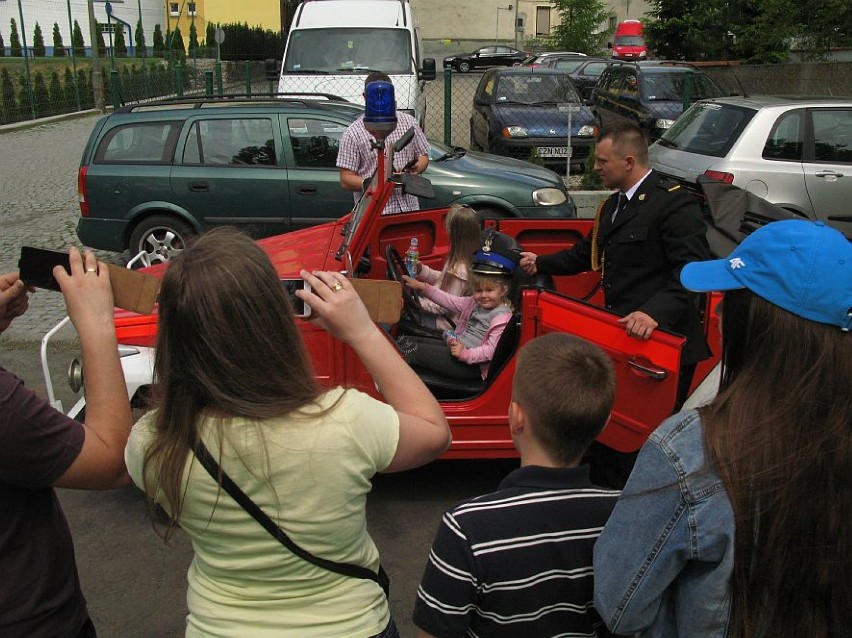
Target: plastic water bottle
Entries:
(412, 257)
(450, 337)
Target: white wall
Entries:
(46, 12)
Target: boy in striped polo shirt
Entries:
(518, 562)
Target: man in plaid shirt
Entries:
(356, 158)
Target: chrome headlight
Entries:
(589, 130)
(515, 131)
(548, 197)
(75, 375)
(663, 123)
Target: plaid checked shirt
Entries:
(356, 154)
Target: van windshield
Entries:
(629, 41)
(349, 51)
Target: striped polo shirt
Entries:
(517, 562)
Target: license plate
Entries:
(552, 151)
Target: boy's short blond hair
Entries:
(566, 387)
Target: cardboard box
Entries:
(133, 290)
(382, 298)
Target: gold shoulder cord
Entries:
(597, 260)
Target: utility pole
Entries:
(97, 82)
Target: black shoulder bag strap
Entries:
(355, 571)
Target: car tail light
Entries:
(81, 190)
(719, 176)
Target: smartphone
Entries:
(300, 308)
(36, 266)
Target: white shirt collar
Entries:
(629, 194)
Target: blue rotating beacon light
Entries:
(380, 111)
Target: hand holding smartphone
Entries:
(291, 285)
(36, 266)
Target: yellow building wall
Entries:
(184, 20)
(264, 13)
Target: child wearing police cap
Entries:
(482, 317)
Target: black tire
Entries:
(463, 66)
(160, 236)
(485, 211)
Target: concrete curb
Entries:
(26, 124)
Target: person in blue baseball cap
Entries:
(735, 519)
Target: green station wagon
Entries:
(154, 174)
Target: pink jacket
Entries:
(465, 307)
(458, 286)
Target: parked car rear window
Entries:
(223, 142)
(785, 139)
(672, 86)
(146, 143)
(707, 129)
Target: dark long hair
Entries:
(780, 434)
(228, 346)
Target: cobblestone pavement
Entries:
(38, 207)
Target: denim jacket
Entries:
(664, 561)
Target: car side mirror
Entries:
(428, 71)
(609, 45)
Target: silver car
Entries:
(794, 152)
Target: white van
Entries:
(334, 44)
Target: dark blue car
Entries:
(524, 113)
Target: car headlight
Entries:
(589, 130)
(515, 131)
(548, 197)
(663, 123)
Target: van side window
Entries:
(785, 139)
(833, 135)
(315, 142)
(146, 143)
(224, 142)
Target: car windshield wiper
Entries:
(311, 72)
(667, 143)
(358, 69)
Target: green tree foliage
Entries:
(41, 96)
(579, 22)
(8, 103)
(243, 42)
(591, 180)
(38, 42)
(69, 89)
(24, 96)
(176, 44)
(84, 85)
(58, 47)
(159, 44)
(119, 46)
(15, 49)
(102, 50)
(2, 47)
(193, 38)
(77, 41)
(210, 36)
(57, 96)
(139, 40)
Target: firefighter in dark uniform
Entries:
(644, 233)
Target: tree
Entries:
(78, 44)
(2, 47)
(38, 42)
(118, 45)
(176, 43)
(15, 49)
(159, 44)
(41, 97)
(579, 23)
(69, 89)
(193, 38)
(58, 47)
(210, 36)
(139, 40)
(57, 97)
(99, 35)
(8, 101)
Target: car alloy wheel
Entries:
(161, 237)
(464, 66)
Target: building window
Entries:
(106, 28)
(611, 26)
(190, 8)
(542, 21)
(174, 9)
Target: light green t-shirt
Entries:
(311, 475)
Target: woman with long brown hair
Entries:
(736, 518)
(234, 380)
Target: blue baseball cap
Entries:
(803, 267)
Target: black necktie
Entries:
(622, 201)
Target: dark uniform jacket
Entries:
(654, 235)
